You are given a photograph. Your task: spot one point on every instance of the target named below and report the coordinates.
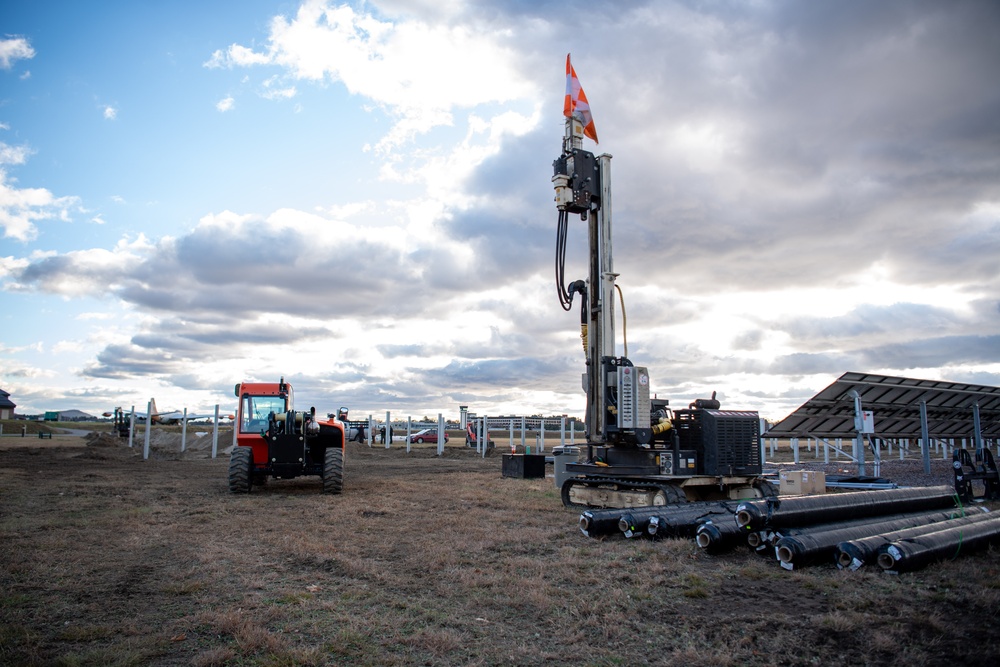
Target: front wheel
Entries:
(333, 470)
(420, 441)
(240, 463)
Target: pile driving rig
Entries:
(639, 452)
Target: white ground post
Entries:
(215, 430)
(184, 430)
(409, 430)
(440, 434)
(131, 427)
(541, 440)
(524, 442)
(371, 431)
(512, 446)
(483, 439)
(388, 430)
(149, 425)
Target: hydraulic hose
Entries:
(565, 296)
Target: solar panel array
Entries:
(895, 402)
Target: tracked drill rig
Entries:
(639, 451)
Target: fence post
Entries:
(149, 427)
(409, 428)
(440, 434)
(483, 439)
(215, 430)
(184, 431)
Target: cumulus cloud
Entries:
(418, 71)
(22, 208)
(13, 49)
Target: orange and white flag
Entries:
(576, 104)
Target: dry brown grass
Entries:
(421, 561)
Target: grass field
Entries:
(106, 559)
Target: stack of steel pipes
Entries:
(681, 520)
(856, 553)
(899, 529)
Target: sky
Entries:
(357, 196)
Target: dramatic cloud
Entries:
(417, 70)
(800, 189)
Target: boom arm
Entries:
(583, 185)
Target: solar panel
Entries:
(895, 402)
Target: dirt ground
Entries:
(107, 559)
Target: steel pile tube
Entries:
(752, 514)
(856, 553)
(909, 519)
(719, 537)
(680, 520)
(594, 523)
(811, 545)
(917, 552)
(633, 522)
(786, 512)
(683, 520)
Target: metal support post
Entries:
(149, 424)
(925, 445)
(977, 431)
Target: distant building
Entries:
(70, 416)
(6, 406)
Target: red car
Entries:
(427, 435)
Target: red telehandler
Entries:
(275, 440)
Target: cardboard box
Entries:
(802, 482)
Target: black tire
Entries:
(240, 463)
(669, 495)
(333, 470)
(420, 441)
(765, 488)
